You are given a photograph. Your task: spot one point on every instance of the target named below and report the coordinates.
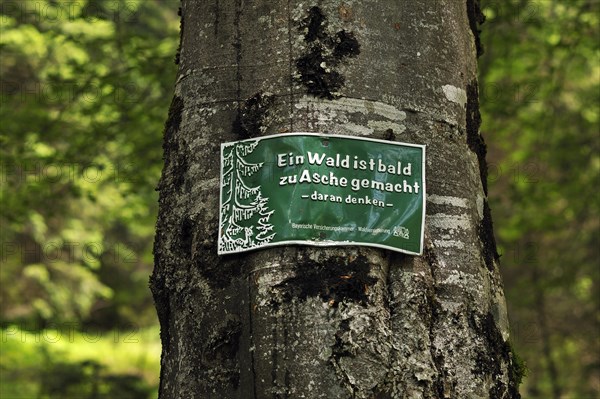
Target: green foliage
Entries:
(84, 91)
(540, 96)
(65, 363)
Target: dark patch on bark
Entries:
(325, 52)
(159, 293)
(346, 45)
(185, 237)
(175, 160)
(486, 235)
(318, 80)
(178, 54)
(474, 139)
(174, 118)
(250, 121)
(222, 348)
(334, 280)
(179, 172)
(476, 18)
(389, 135)
(315, 25)
(489, 359)
(218, 271)
(429, 254)
(341, 347)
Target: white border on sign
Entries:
(324, 243)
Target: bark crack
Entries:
(237, 44)
(251, 338)
(217, 17)
(290, 65)
(439, 384)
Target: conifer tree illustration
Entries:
(245, 213)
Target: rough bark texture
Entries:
(288, 322)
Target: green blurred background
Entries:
(85, 89)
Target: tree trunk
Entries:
(289, 322)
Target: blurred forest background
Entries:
(85, 89)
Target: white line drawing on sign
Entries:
(243, 202)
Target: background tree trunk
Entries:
(345, 322)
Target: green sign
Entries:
(316, 189)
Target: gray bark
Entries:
(287, 322)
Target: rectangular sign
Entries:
(324, 190)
